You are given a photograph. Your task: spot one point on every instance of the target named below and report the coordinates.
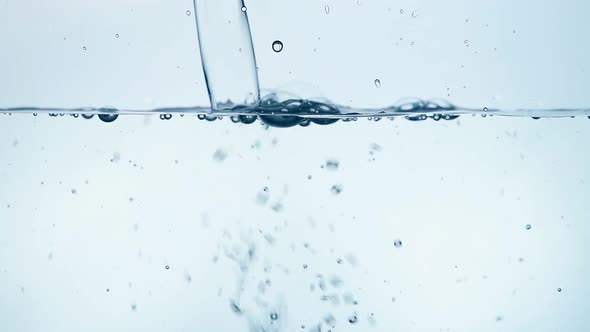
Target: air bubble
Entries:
(377, 83)
(414, 14)
(188, 13)
(274, 316)
(559, 290)
(277, 46)
(353, 319)
(397, 243)
(244, 9)
(327, 9)
(116, 35)
(108, 117)
(528, 226)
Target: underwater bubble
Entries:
(219, 155)
(108, 117)
(485, 109)
(134, 307)
(327, 9)
(277, 46)
(353, 319)
(528, 226)
(87, 116)
(559, 290)
(377, 82)
(167, 267)
(274, 316)
(332, 164)
(401, 11)
(235, 308)
(34, 114)
(84, 48)
(397, 243)
(201, 116)
(281, 121)
(336, 189)
(116, 35)
(414, 14)
(244, 9)
(247, 119)
(188, 13)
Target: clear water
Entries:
(160, 222)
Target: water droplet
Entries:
(188, 13)
(397, 243)
(327, 9)
(244, 9)
(377, 82)
(274, 316)
(277, 46)
(528, 226)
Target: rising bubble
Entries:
(277, 46)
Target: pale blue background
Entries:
(458, 194)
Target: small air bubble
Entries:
(528, 226)
(397, 243)
(559, 290)
(377, 83)
(327, 9)
(108, 117)
(277, 46)
(274, 316)
(84, 48)
(116, 35)
(244, 9)
(352, 319)
(414, 14)
(336, 189)
(401, 11)
(167, 267)
(188, 13)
